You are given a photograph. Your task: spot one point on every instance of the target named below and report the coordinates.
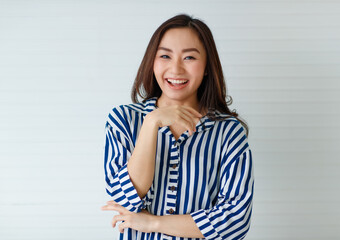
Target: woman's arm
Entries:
(228, 219)
(129, 169)
(141, 165)
(174, 225)
(118, 151)
(177, 225)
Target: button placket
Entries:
(171, 194)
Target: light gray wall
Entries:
(65, 64)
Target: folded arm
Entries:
(228, 219)
(125, 182)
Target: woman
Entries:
(178, 164)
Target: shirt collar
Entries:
(144, 107)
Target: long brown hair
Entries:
(212, 93)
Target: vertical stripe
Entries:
(208, 174)
(199, 171)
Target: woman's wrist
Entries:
(156, 223)
(151, 120)
(176, 225)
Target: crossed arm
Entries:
(174, 225)
(229, 218)
(143, 157)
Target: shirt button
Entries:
(173, 188)
(171, 211)
(174, 166)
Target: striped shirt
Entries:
(208, 175)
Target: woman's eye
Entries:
(165, 56)
(189, 57)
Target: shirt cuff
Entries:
(132, 201)
(204, 224)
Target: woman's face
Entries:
(179, 65)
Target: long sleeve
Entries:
(117, 151)
(229, 218)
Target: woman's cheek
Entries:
(198, 69)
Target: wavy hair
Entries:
(212, 93)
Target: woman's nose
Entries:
(177, 67)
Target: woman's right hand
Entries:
(178, 115)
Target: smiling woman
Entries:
(179, 67)
(178, 164)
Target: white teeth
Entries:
(176, 81)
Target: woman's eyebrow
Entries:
(184, 50)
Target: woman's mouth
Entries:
(177, 83)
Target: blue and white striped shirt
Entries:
(208, 175)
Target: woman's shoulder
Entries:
(230, 122)
(125, 113)
(143, 107)
(225, 117)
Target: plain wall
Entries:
(65, 64)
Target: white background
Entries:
(65, 64)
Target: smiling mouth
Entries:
(177, 82)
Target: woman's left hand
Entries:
(142, 221)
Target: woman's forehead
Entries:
(181, 38)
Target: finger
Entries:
(187, 115)
(109, 207)
(188, 122)
(194, 118)
(106, 207)
(120, 209)
(122, 226)
(193, 111)
(116, 219)
(113, 203)
(115, 207)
